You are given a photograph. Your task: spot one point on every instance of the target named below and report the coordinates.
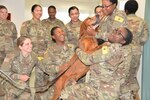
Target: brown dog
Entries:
(75, 69)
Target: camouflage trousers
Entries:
(85, 92)
(2, 56)
(130, 88)
(133, 82)
(2, 92)
(127, 96)
(14, 93)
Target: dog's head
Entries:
(92, 22)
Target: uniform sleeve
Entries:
(14, 31)
(49, 64)
(120, 20)
(145, 34)
(14, 69)
(101, 55)
(24, 29)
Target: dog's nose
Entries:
(97, 20)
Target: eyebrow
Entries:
(122, 36)
(104, 6)
(120, 32)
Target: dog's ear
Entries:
(83, 27)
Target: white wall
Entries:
(16, 8)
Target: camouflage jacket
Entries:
(140, 32)
(8, 35)
(115, 20)
(55, 56)
(109, 65)
(50, 24)
(38, 34)
(73, 32)
(108, 71)
(24, 65)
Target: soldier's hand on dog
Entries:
(91, 31)
(24, 77)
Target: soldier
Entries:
(115, 19)
(57, 54)
(36, 31)
(109, 67)
(98, 11)
(139, 29)
(23, 71)
(8, 35)
(52, 21)
(73, 27)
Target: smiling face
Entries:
(26, 47)
(118, 36)
(74, 15)
(59, 35)
(3, 14)
(99, 11)
(108, 7)
(37, 13)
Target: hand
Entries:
(76, 48)
(24, 77)
(91, 31)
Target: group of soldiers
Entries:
(34, 59)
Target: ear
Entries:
(123, 42)
(53, 37)
(20, 47)
(126, 11)
(83, 27)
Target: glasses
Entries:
(104, 6)
(119, 33)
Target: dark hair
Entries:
(114, 2)
(131, 6)
(2, 7)
(21, 39)
(72, 8)
(99, 6)
(34, 6)
(51, 6)
(53, 32)
(128, 37)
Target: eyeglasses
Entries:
(104, 6)
(119, 33)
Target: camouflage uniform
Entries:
(50, 24)
(73, 32)
(115, 20)
(53, 58)
(8, 35)
(108, 71)
(139, 29)
(38, 34)
(20, 65)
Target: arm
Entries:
(145, 33)
(101, 55)
(14, 31)
(24, 29)
(15, 70)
